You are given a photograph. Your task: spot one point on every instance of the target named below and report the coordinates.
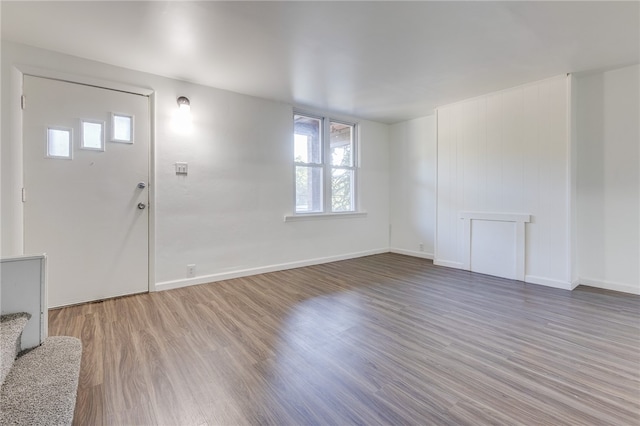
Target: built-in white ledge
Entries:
(501, 217)
(323, 216)
(518, 219)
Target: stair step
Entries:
(11, 327)
(41, 387)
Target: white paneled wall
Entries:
(508, 152)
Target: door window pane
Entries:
(308, 189)
(92, 135)
(121, 128)
(59, 142)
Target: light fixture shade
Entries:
(184, 104)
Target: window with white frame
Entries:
(325, 164)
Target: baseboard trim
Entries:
(532, 279)
(204, 279)
(448, 263)
(548, 282)
(412, 253)
(609, 285)
(574, 283)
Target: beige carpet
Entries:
(11, 327)
(41, 386)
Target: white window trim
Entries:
(300, 217)
(329, 167)
(47, 153)
(102, 132)
(131, 128)
(326, 172)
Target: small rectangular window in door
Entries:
(121, 128)
(59, 142)
(92, 135)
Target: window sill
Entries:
(323, 216)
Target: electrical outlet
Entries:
(191, 270)
(421, 247)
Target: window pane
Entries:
(307, 139)
(122, 128)
(92, 135)
(342, 190)
(308, 189)
(341, 144)
(58, 143)
(301, 148)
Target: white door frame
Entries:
(106, 84)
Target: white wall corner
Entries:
(413, 253)
(574, 283)
(448, 263)
(608, 179)
(548, 282)
(572, 179)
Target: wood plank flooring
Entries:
(380, 340)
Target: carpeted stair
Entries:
(39, 386)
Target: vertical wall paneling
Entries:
(507, 153)
(447, 224)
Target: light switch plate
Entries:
(181, 168)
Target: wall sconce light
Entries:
(182, 116)
(184, 104)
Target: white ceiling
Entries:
(385, 61)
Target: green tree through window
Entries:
(325, 168)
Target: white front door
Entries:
(86, 173)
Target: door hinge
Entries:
(23, 101)
(24, 195)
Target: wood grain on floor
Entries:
(385, 339)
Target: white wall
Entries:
(226, 216)
(608, 186)
(412, 159)
(508, 152)
(11, 230)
